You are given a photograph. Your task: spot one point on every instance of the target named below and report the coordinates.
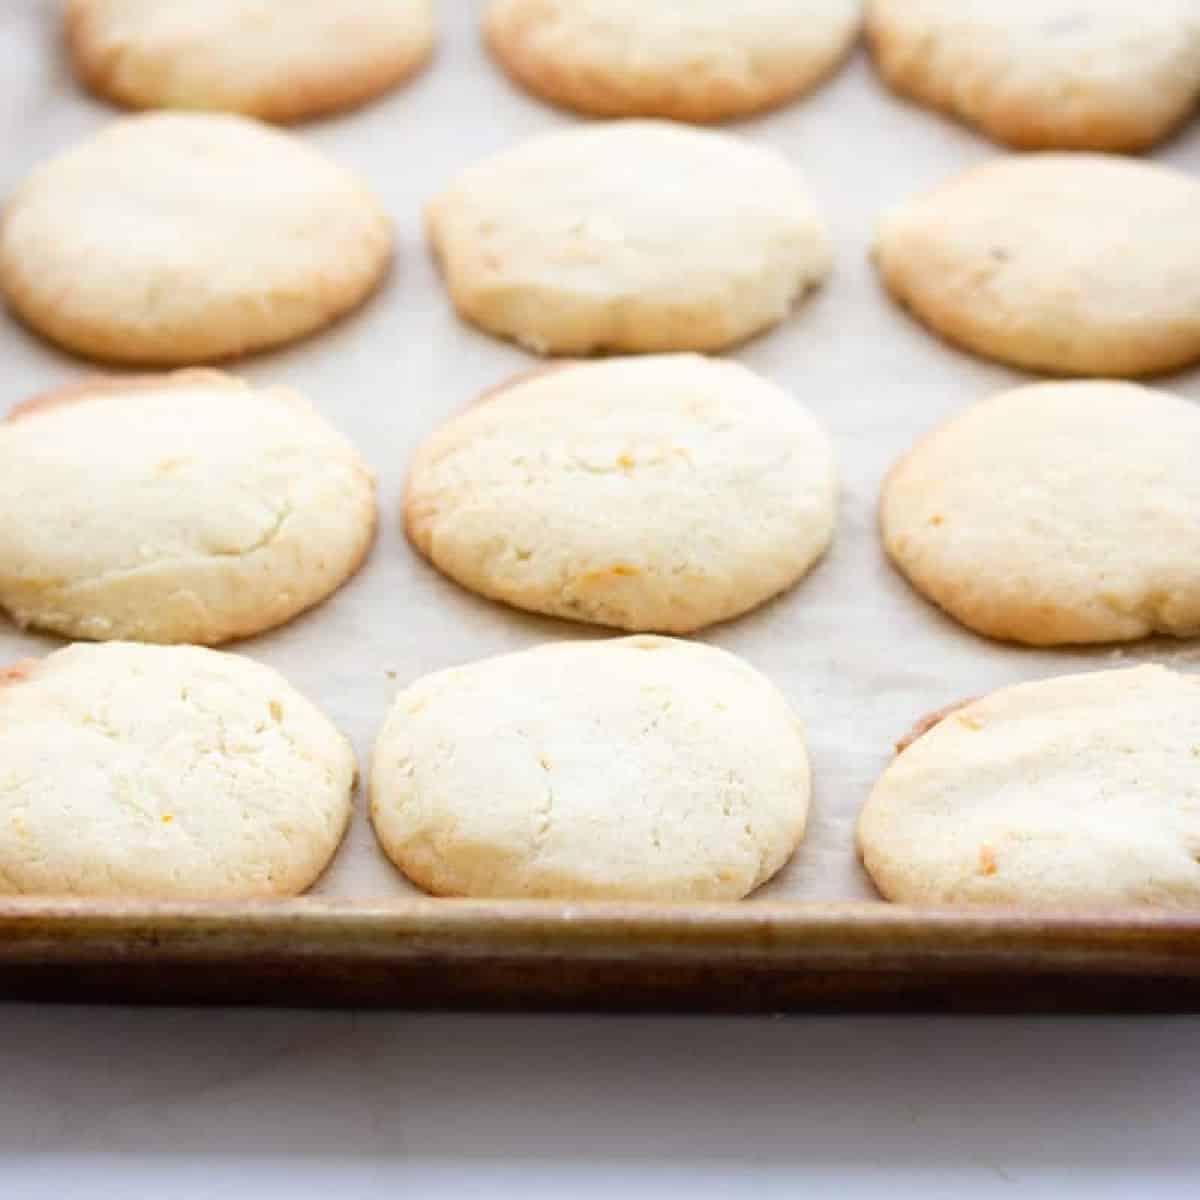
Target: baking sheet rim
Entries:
(877, 936)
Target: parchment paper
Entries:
(859, 654)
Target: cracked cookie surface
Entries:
(188, 507)
(1078, 791)
(637, 768)
(1056, 513)
(656, 494)
(165, 772)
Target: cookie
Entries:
(165, 772)
(176, 238)
(653, 494)
(1056, 513)
(706, 60)
(177, 508)
(1045, 74)
(1075, 264)
(1076, 791)
(277, 61)
(578, 241)
(630, 769)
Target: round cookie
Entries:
(1056, 513)
(1076, 264)
(1077, 791)
(281, 61)
(165, 772)
(1045, 74)
(706, 60)
(178, 508)
(629, 769)
(577, 241)
(654, 494)
(175, 238)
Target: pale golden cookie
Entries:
(165, 772)
(1045, 74)
(1076, 264)
(629, 236)
(654, 494)
(175, 508)
(630, 769)
(1056, 513)
(706, 60)
(1078, 791)
(281, 60)
(176, 238)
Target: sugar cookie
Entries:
(1082, 791)
(654, 494)
(165, 772)
(629, 236)
(1058, 512)
(630, 769)
(177, 238)
(176, 508)
(1078, 264)
(706, 60)
(1045, 74)
(281, 60)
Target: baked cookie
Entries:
(631, 769)
(1045, 74)
(578, 241)
(1082, 790)
(706, 60)
(176, 508)
(1077, 264)
(281, 60)
(654, 494)
(165, 772)
(1059, 512)
(181, 237)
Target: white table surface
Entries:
(217, 1104)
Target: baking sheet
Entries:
(859, 654)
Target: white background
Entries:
(181, 1104)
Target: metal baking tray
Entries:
(858, 653)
